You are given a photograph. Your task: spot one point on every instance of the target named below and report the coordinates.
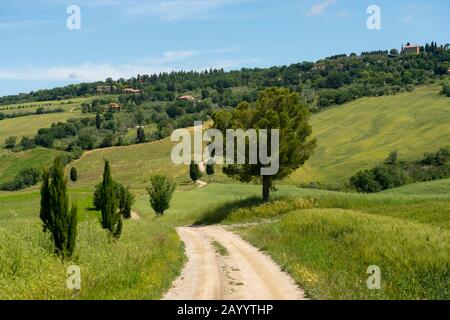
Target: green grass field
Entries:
(66, 105)
(351, 137)
(361, 134)
(29, 125)
(12, 163)
(325, 239)
(431, 188)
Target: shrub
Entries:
(364, 181)
(25, 178)
(394, 173)
(446, 89)
(10, 142)
(194, 171)
(160, 191)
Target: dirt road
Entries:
(222, 266)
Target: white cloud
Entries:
(320, 8)
(90, 71)
(171, 56)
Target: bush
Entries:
(446, 89)
(26, 178)
(364, 181)
(194, 171)
(160, 192)
(394, 173)
(10, 142)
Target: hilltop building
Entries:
(113, 106)
(106, 89)
(131, 90)
(186, 98)
(411, 49)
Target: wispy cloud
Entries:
(319, 8)
(172, 10)
(91, 71)
(172, 56)
(6, 24)
(408, 19)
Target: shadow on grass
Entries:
(222, 211)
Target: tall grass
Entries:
(141, 265)
(328, 252)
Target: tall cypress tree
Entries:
(98, 121)
(210, 169)
(111, 217)
(46, 212)
(55, 214)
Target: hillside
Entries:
(438, 187)
(29, 125)
(350, 137)
(360, 134)
(12, 163)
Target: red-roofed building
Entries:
(411, 48)
(131, 90)
(186, 98)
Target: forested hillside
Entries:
(333, 80)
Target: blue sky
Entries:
(123, 38)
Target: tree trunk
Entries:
(267, 184)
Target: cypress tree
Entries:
(111, 219)
(46, 213)
(98, 121)
(55, 214)
(73, 174)
(140, 135)
(194, 171)
(210, 169)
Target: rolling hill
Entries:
(437, 187)
(361, 134)
(351, 137)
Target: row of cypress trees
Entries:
(61, 222)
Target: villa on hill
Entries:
(112, 106)
(186, 98)
(411, 49)
(106, 89)
(131, 90)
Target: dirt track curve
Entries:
(243, 273)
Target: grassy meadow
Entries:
(360, 134)
(324, 239)
(12, 163)
(29, 125)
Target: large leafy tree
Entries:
(275, 109)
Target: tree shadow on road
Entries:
(222, 211)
